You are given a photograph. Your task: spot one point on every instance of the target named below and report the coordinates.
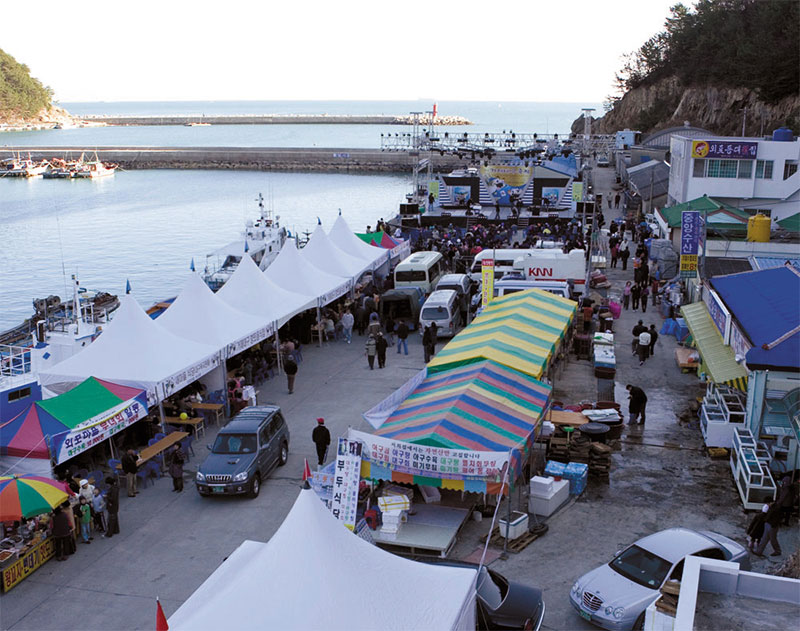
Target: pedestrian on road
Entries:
(322, 438)
(643, 347)
(755, 530)
(62, 533)
(614, 255)
(771, 527)
(636, 332)
(402, 335)
(616, 200)
(624, 253)
(653, 338)
(380, 348)
(626, 295)
(426, 343)
(638, 403)
(290, 368)
(636, 291)
(370, 349)
(112, 506)
(348, 321)
(176, 460)
(129, 466)
(644, 294)
(434, 337)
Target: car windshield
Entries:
(492, 588)
(434, 313)
(234, 444)
(641, 566)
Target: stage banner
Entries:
(690, 240)
(487, 281)
(724, 150)
(346, 477)
(506, 182)
(550, 195)
(95, 430)
(433, 189)
(577, 191)
(436, 462)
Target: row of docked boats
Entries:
(56, 168)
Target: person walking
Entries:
(434, 337)
(614, 255)
(624, 254)
(772, 524)
(290, 368)
(643, 346)
(653, 338)
(402, 336)
(626, 295)
(61, 533)
(322, 438)
(643, 295)
(426, 343)
(370, 350)
(616, 200)
(348, 321)
(130, 467)
(636, 291)
(176, 460)
(755, 530)
(637, 405)
(380, 348)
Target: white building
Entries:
(754, 174)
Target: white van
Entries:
(421, 269)
(441, 307)
(504, 260)
(462, 285)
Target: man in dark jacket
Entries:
(637, 406)
(380, 347)
(322, 438)
(773, 523)
(61, 533)
(290, 368)
(637, 330)
(112, 506)
(426, 343)
(130, 467)
(653, 337)
(402, 336)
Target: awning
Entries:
(718, 359)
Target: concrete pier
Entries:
(245, 158)
(271, 119)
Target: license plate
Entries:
(217, 489)
(585, 616)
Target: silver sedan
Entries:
(615, 596)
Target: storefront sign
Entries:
(177, 381)
(739, 342)
(28, 563)
(347, 475)
(95, 430)
(487, 281)
(724, 149)
(690, 240)
(436, 462)
(719, 314)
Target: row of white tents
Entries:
(202, 329)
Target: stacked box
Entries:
(577, 473)
(554, 468)
(541, 486)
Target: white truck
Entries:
(553, 266)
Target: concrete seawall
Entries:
(246, 158)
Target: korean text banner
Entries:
(690, 240)
(435, 462)
(728, 150)
(346, 476)
(487, 281)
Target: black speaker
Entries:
(409, 209)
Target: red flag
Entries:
(306, 470)
(161, 619)
(434, 110)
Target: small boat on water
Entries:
(262, 241)
(95, 169)
(23, 167)
(197, 124)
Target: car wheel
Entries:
(639, 624)
(284, 454)
(255, 486)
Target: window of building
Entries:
(745, 169)
(789, 168)
(764, 169)
(721, 168)
(699, 168)
(18, 395)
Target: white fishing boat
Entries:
(95, 169)
(23, 167)
(262, 241)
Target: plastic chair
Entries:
(152, 442)
(112, 464)
(154, 468)
(159, 436)
(186, 445)
(143, 474)
(95, 477)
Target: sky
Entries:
(173, 50)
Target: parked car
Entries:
(602, 161)
(615, 596)
(244, 452)
(441, 307)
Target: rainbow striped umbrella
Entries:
(23, 496)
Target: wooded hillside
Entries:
(21, 95)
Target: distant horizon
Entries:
(319, 100)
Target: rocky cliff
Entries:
(720, 110)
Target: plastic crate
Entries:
(554, 468)
(577, 473)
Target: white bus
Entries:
(421, 269)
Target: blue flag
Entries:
(246, 247)
(191, 267)
(319, 221)
(127, 286)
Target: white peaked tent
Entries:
(321, 252)
(292, 272)
(250, 291)
(345, 239)
(135, 351)
(200, 315)
(316, 574)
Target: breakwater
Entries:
(274, 119)
(247, 158)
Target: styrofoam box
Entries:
(430, 494)
(541, 486)
(518, 526)
(547, 504)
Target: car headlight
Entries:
(240, 477)
(200, 477)
(609, 611)
(619, 612)
(576, 588)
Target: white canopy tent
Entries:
(249, 290)
(315, 574)
(294, 273)
(345, 239)
(323, 254)
(134, 350)
(200, 315)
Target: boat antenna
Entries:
(61, 248)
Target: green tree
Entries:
(20, 94)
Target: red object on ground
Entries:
(306, 470)
(161, 619)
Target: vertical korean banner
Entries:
(346, 476)
(690, 240)
(487, 281)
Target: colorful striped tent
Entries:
(28, 433)
(521, 330)
(482, 406)
(380, 239)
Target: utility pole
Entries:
(744, 119)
